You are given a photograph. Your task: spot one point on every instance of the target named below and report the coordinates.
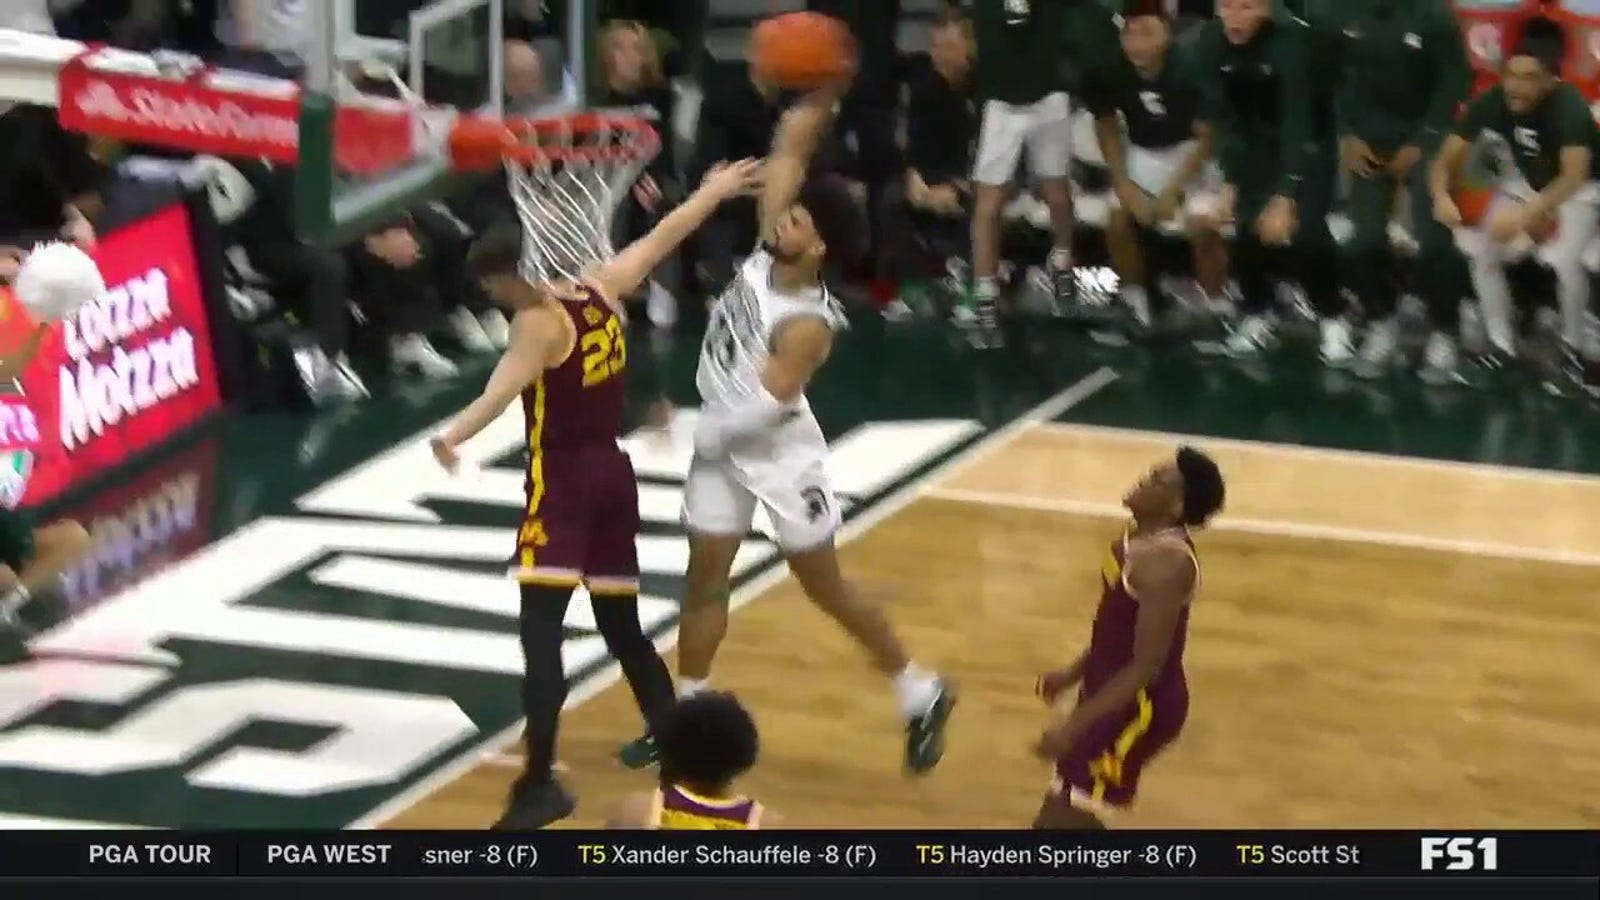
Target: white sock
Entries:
(987, 287)
(917, 688)
(1061, 258)
(688, 687)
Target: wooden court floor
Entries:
(1378, 642)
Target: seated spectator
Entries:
(488, 201)
(527, 82)
(632, 82)
(1544, 204)
(410, 279)
(1156, 150)
(310, 281)
(923, 215)
(50, 184)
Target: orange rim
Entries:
(482, 141)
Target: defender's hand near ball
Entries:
(725, 180)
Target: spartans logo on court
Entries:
(326, 668)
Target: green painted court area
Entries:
(296, 621)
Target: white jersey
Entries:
(739, 339)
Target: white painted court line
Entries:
(873, 516)
(1548, 476)
(1276, 528)
(1036, 417)
(9, 822)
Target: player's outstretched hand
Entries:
(727, 180)
(1051, 685)
(445, 455)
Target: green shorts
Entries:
(16, 538)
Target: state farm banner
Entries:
(213, 113)
(131, 368)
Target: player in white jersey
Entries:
(757, 441)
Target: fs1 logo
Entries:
(1461, 854)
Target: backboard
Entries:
(440, 52)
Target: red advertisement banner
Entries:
(131, 368)
(254, 117)
(158, 517)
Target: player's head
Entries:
(495, 260)
(1241, 19)
(1184, 490)
(824, 223)
(950, 42)
(1145, 32)
(707, 741)
(1533, 67)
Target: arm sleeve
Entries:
(1452, 81)
(1292, 46)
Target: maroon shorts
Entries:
(581, 523)
(1104, 767)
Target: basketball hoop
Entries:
(567, 174)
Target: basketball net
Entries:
(567, 195)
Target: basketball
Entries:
(802, 50)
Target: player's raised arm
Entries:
(799, 348)
(538, 338)
(628, 269)
(1161, 575)
(794, 143)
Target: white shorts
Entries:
(1152, 169)
(1576, 227)
(1043, 127)
(720, 498)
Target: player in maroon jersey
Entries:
(1132, 694)
(707, 743)
(566, 360)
